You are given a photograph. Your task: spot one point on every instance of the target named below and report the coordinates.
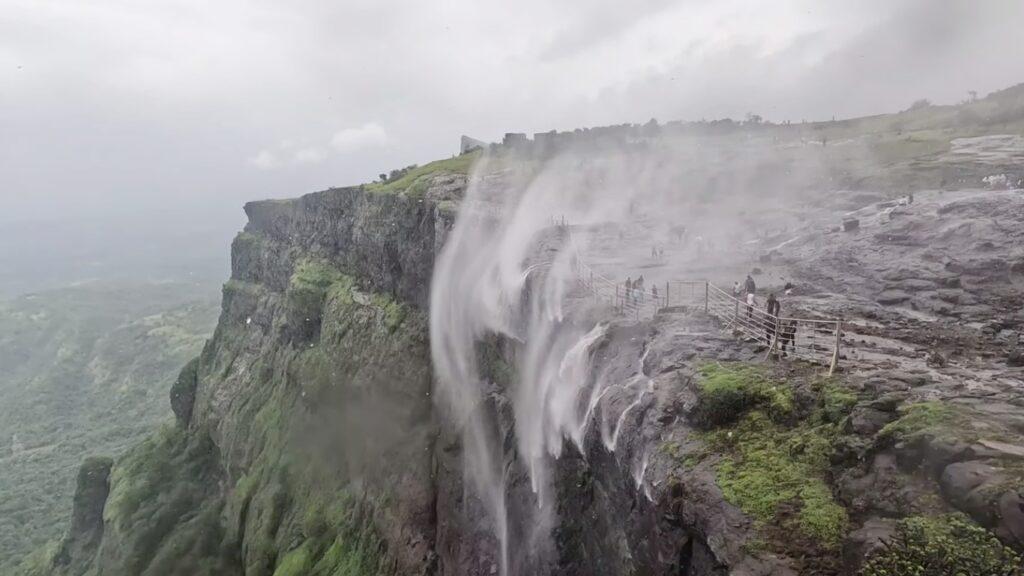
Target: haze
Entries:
(133, 132)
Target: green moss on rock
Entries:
(728, 390)
(933, 418)
(416, 181)
(766, 467)
(942, 546)
(775, 441)
(164, 506)
(295, 563)
(307, 291)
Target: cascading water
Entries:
(505, 270)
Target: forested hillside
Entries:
(83, 371)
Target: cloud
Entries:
(175, 89)
(287, 154)
(265, 160)
(368, 135)
(309, 155)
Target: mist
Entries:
(538, 222)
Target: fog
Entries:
(128, 124)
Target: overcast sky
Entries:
(180, 110)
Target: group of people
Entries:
(635, 290)
(786, 328)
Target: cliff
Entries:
(307, 439)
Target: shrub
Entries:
(941, 546)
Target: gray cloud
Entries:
(125, 112)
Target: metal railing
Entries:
(811, 339)
(635, 303)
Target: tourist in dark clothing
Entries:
(773, 317)
(749, 285)
(788, 336)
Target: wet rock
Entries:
(892, 297)
(183, 392)
(935, 360)
(881, 488)
(959, 479)
(1015, 358)
(867, 421)
(977, 488)
(851, 224)
(83, 539)
(893, 238)
(913, 285)
(1003, 449)
(978, 266)
(879, 386)
(865, 541)
(950, 296)
(890, 401)
(1010, 512)
(911, 379)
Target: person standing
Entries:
(749, 286)
(788, 336)
(750, 305)
(772, 319)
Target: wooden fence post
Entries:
(706, 290)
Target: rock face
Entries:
(86, 531)
(304, 433)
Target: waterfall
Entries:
(503, 272)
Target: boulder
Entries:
(867, 421)
(981, 490)
(960, 479)
(1010, 511)
(865, 541)
(892, 297)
